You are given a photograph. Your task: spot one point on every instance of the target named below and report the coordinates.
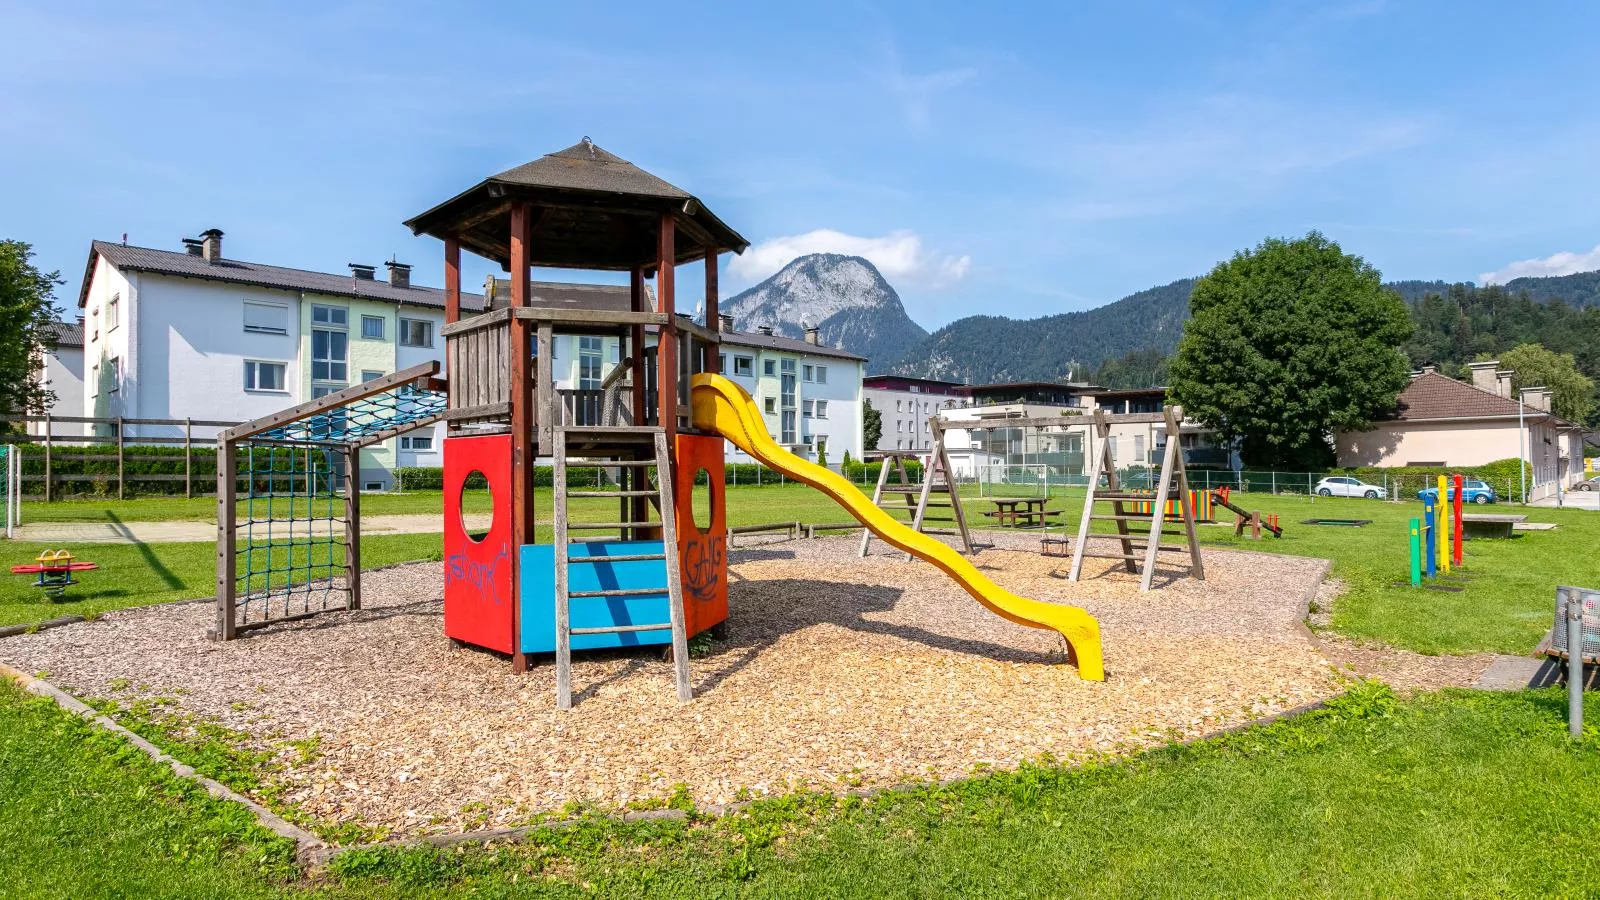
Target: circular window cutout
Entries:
(476, 501)
(700, 501)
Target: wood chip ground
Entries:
(837, 671)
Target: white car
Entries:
(1343, 486)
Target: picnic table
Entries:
(1489, 525)
(1019, 512)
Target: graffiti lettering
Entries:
(480, 575)
(702, 566)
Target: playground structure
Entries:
(54, 569)
(937, 490)
(1435, 538)
(1244, 517)
(11, 488)
(653, 574)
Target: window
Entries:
(589, 359)
(116, 374)
(722, 362)
(769, 367)
(899, 406)
(822, 409)
(822, 374)
(744, 365)
(372, 328)
(336, 316)
(808, 408)
(111, 311)
(330, 343)
(94, 380)
(418, 333)
(915, 389)
(372, 485)
(772, 405)
(371, 374)
(94, 323)
(418, 442)
(809, 373)
(263, 376)
(787, 418)
(266, 318)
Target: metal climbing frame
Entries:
(288, 545)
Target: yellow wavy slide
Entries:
(721, 406)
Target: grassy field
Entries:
(1505, 603)
(1444, 795)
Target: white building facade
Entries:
(191, 334)
(62, 376)
(906, 407)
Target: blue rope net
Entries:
(292, 557)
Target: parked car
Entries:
(1472, 491)
(1343, 486)
(1590, 484)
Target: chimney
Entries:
(399, 274)
(195, 246)
(361, 272)
(726, 321)
(80, 320)
(211, 244)
(812, 335)
(1503, 382)
(764, 329)
(1483, 375)
(1430, 370)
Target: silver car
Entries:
(1345, 486)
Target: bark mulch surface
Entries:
(837, 672)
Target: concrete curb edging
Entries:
(14, 630)
(306, 843)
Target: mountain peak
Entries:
(845, 297)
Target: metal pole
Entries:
(1574, 605)
(1522, 449)
(1431, 518)
(1441, 523)
(1416, 553)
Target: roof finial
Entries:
(589, 144)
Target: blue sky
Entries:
(1008, 159)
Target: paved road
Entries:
(1573, 500)
(66, 533)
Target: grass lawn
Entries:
(1457, 794)
(1505, 606)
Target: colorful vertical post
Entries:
(1455, 522)
(1441, 533)
(1416, 553)
(1430, 519)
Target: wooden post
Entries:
(546, 415)
(667, 343)
(188, 458)
(452, 312)
(227, 560)
(522, 421)
(120, 479)
(713, 321)
(48, 441)
(641, 414)
(352, 526)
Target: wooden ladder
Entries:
(634, 488)
(1133, 550)
(935, 480)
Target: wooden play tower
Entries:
(650, 575)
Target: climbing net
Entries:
(289, 518)
(293, 558)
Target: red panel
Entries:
(478, 598)
(702, 555)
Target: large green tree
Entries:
(1288, 343)
(1572, 393)
(27, 309)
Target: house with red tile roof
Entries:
(1444, 423)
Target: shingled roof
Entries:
(1431, 396)
(68, 334)
(591, 209)
(187, 265)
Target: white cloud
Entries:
(899, 255)
(1563, 263)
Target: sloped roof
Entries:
(187, 265)
(68, 334)
(785, 344)
(1432, 396)
(591, 209)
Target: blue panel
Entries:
(538, 595)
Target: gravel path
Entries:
(837, 671)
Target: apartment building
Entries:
(907, 405)
(191, 333)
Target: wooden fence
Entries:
(58, 448)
